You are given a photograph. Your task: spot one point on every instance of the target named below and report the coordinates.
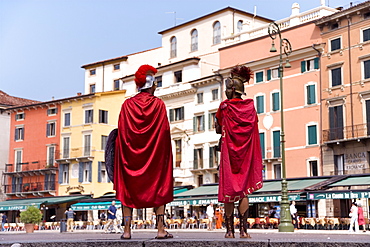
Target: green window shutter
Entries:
(203, 122)
(60, 174)
(90, 171)
(209, 121)
(182, 113)
(259, 76)
(276, 143)
(275, 102)
(80, 172)
(262, 142)
(311, 94)
(312, 134)
(303, 66)
(260, 105)
(171, 115)
(194, 124)
(210, 157)
(195, 159)
(269, 74)
(316, 63)
(99, 172)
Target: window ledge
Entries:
(312, 145)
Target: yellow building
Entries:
(86, 123)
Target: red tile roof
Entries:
(7, 100)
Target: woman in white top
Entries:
(354, 217)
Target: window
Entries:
(92, 88)
(311, 94)
(104, 140)
(264, 175)
(239, 26)
(273, 74)
(276, 143)
(200, 180)
(312, 134)
(19, 133)
(19, 116)
(309, 65)
(366, 35)
(178, 76)
(367, 15)
(335, 44)
(275, 101)
(336, 122)
(260, 104)
(314, 170)
(211, 120)
(52, 111)
(177, 114)
(216, 33)
(198, 123)
(199, 98)
(336, 77)
(159, 81)
(213, 157)
(259, 77)
(215, 94)
(66, 141)
(116, 85)
(51, 156)
(18, 160)
(89, 116)
(64, 173)
(339, 164)
(87, 145)
(103, 116)
(67, 119)
(116, 66)
(102, 173)
(92, 71)
(178, 152)
(198, 158)
(16, 184)
(277, 171)
(84, 172)
(194, 40)
(50, 129)
(262, 142)
(173, 47)
(334, 26)
(367, 69)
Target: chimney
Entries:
(79, 94)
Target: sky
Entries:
(44, 43)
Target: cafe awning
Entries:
(83, 206)
(21, 204)
(353, 181)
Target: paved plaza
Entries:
(186, 237)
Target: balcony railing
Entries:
(29, 166)
(359, 130)
(78, 152)
(30, 187)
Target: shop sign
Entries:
(338, 195)
(261, 199)
(93, 207)
(355, 161)
(193, 202)
(16, 207)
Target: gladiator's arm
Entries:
(218, 127)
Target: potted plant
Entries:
(30, 217)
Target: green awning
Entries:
(83, 206)
(200, 191)
(21, 204)
(352, 181)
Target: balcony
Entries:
(79, 154)
(32, 188)
(30, 168)
(336, 134)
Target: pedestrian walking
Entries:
(293, 213)
(70, 219)
(112, 219)
(354, 218)
(241, 157)
(143, 169)
(361, 219)
(4, 219)
(219, 217)
(210, 214)
(119, 217)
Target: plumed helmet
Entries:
(143, 79)
(240, 75)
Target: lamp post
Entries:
(286, 48)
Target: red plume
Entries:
(140, 75)
(243, 72)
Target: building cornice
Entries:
(178, 94)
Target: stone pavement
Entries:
(186, 237)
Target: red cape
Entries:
(143, 157)
(241, 157)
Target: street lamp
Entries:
(285, 46)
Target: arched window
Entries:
(216, 33)
(239, 26)
(194, 40)
(173, 47)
